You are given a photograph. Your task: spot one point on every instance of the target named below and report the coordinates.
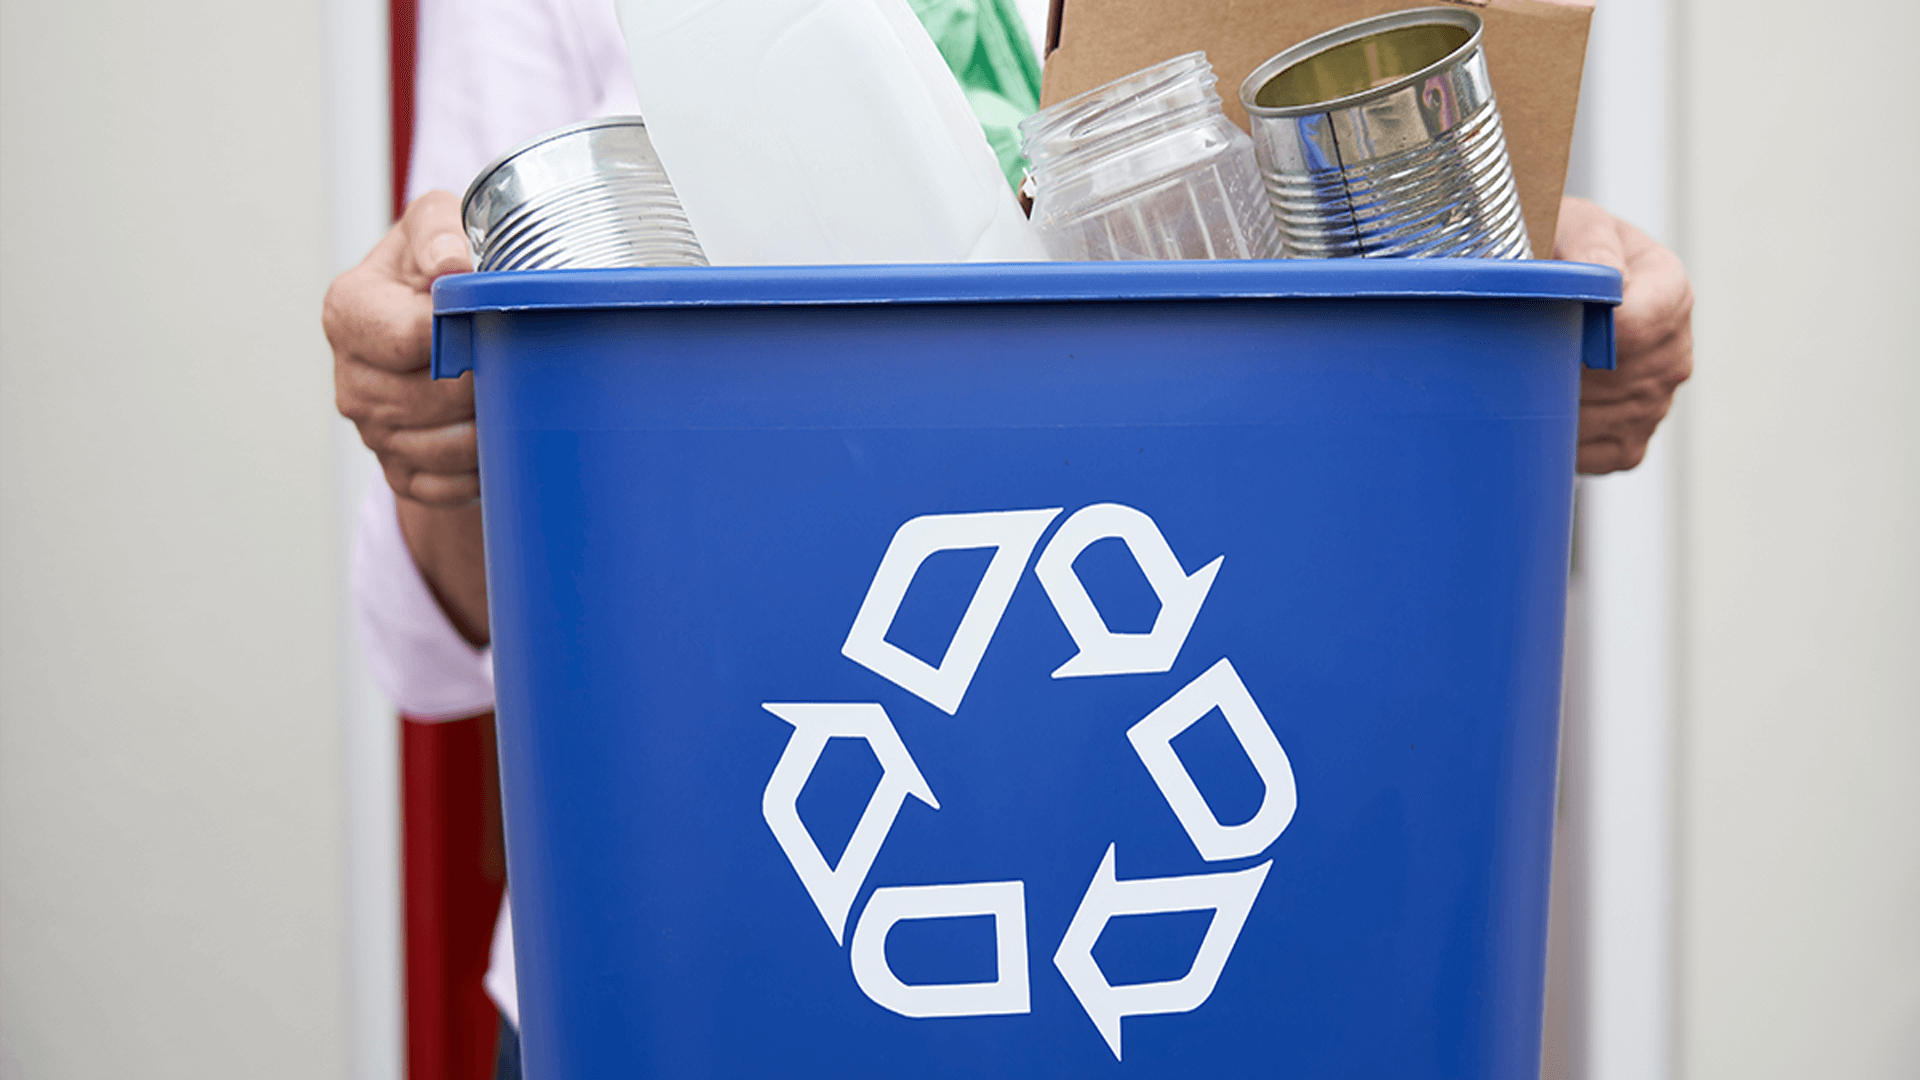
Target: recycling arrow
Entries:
(1011, 533)
(1229, 895)
(834, 887)
(1006, 995)
(1103, 652)
(1218, 687)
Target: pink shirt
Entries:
(493, 74)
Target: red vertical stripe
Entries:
(454, 876)
(402, 31)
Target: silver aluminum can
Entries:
(1382, 139)
(588, 196)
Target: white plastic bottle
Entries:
(818, 131)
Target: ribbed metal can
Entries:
(591, 195)
(1382, 139)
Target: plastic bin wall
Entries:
(1047, 671)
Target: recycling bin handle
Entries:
(453, 344)
(1596, 338)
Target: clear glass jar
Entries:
(1148, 167)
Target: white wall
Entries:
(1799, 779)
(170, 818)
(359, 209)
(1610, 1014)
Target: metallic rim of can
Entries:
(1365, 28)
(474, 211)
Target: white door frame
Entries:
(1619, 805)
(359, 190)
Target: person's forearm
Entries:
(447, 547)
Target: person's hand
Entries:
(379, 319)
(1653, 336)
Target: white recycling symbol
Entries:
(1230, 895)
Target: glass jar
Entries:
(1148, 167)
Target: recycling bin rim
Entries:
(1598, 287)
(1040, 282)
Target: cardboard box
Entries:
(1535, 51)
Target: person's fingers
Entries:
(1640, 406)
(368, 395)
(382, 310)
(379, 320)
(452, 490)
(1651, 375)
(1657, 303)
(435, 242)
(1620, 409)
(441, 489)
(1647, 370)
(1588, 234)
(1614, 435)
(450, 449)
(1608, 454)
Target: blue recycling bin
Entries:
(1066, 670)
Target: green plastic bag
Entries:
(986, 45)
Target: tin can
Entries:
(1382, 139)
(591, 195)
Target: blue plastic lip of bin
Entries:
(1597, 287)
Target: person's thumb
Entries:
(446, 253)
(1588, 234)
(436, 241)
